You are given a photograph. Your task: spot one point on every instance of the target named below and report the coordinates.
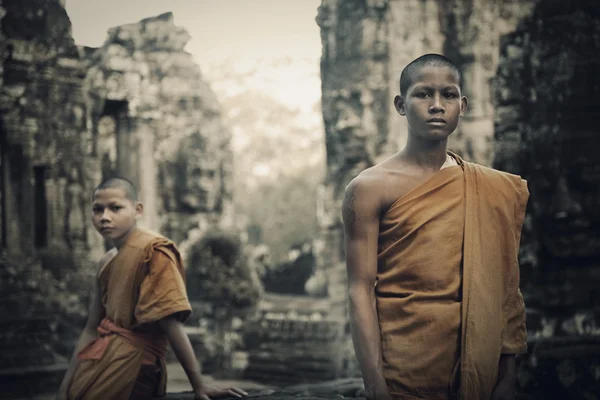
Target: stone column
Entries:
(472, 31)
(414, 30)
(147, 173)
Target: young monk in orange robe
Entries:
(139, 306)
(431, 252)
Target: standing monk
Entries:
(138, 307)
(431, 251)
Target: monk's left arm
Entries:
(505, 387)
(182, 347)
(515, 332)
(514, 337)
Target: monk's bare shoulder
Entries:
(363, 196)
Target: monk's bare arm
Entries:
(185, 354)
(505, 387)
(360, 212)
(95, 315)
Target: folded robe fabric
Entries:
(418, 287)
(447, 284)
(142, 284)
(493, 311)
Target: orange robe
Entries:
(142, 284)
(447, 283)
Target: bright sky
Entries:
(220, 29)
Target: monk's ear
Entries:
(463, 105)
(139, 209)
(400, 104)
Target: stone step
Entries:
(31, 381)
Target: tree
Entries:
(219, 274)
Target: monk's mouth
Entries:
(436, 121)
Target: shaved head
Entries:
(118, 182)
(428, 60)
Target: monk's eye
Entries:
(450, 95)
(117, 208)
(96, 210)
(422, 95)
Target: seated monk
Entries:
(431, 251)
(138, 308)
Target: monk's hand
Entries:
(378, 393)
(209, 393)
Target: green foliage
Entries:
(219, 272)
(58, 259)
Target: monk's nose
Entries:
(105, 217)
(436, 104)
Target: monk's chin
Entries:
(110, 234)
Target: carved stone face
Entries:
(347, 129)
(565, 193)
(198, 176)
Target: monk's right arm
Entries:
(96, 313)
(360, 211)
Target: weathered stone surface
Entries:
(70, 116)
(547, 86)
(45, 159)
(158, 123)
(291, 340)
(47, 173)
(335, 389)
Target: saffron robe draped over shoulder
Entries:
(142, 284)
(447, 290)
(493, 311)
(418, 287)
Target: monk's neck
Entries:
(426, 154)
(119, 243)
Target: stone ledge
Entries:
(350, 388)
(264, 395)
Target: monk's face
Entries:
(114, 214)
(433, 103)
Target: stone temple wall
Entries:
(69, 117)
(47, 173)
(157, 122)
(366, 44)
(47, 166)
(547, 93)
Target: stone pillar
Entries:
(147, 173)
(414, 30)
(126, 145)
(472, 31)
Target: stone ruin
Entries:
(47, 175)
(155, 120)
(547, 95)
(69, 117)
